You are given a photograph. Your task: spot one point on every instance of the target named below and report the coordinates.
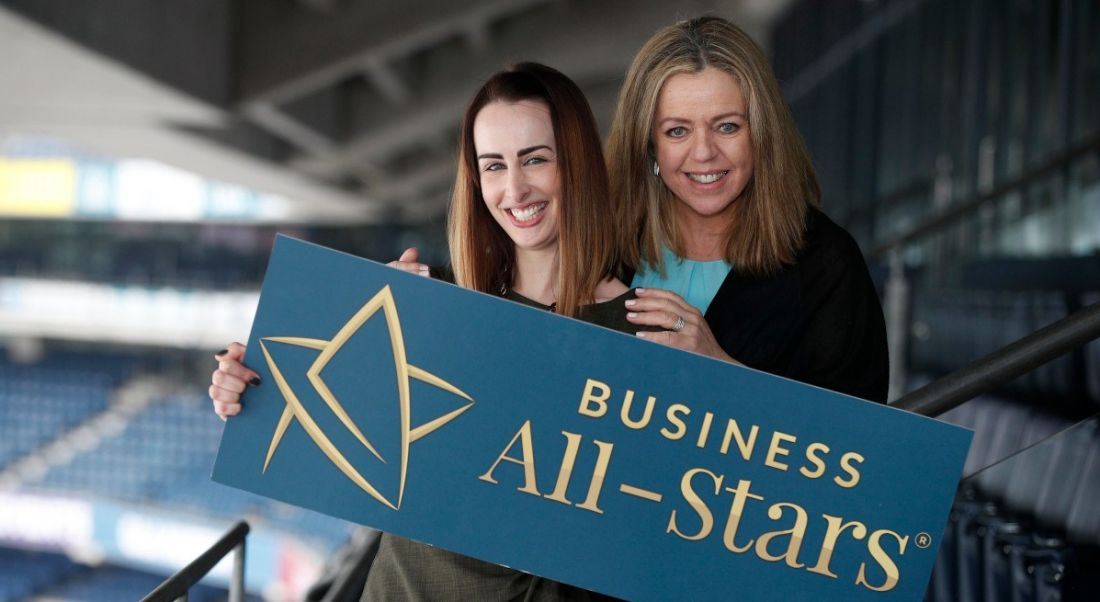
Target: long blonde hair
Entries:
(482, 254)
(769, 217)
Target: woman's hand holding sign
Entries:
(685, 327)
(229, 381)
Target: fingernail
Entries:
(641, 334)
(255, 382)
(640, 291)
(631, 302)
(632, 314)
(221, 353)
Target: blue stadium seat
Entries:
(40, 402)
(1021, 529)
(1083, 520)
(113, 584)
(24, 574)
(958, 326)
(163, 456)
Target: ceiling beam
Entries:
(575, 42)
(286, 54)
(384, 79)
(286, 127)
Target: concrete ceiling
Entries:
(349, 108)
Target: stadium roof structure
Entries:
(349, 108)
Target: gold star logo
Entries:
(294, 410)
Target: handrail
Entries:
(176, 586)
(965, 208)
(1004, 364)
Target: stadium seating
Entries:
(39, 402)
(1026, 528)
(25, 574)
(163, 456)
(957, 326)
(54, 577)
(145, 262)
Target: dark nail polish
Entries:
(255, 382)
(222, 352)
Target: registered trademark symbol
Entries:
(923, 540)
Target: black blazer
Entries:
(817, 321)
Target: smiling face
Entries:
(518, 170)
(704, 149)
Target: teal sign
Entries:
(575, 452)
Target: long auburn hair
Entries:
(768, 219)
(482, 254)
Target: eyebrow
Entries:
(715, 118)
(522, 152)
(531, 149)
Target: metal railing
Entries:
(1004, 364)
(175, 588)
(352, 573)
(896, 302)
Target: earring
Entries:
(656, 168)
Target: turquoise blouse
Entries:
(696, 281)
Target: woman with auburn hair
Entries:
(718, 211)
(492, 244)
(528, 221)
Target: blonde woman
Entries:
(719, 214)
